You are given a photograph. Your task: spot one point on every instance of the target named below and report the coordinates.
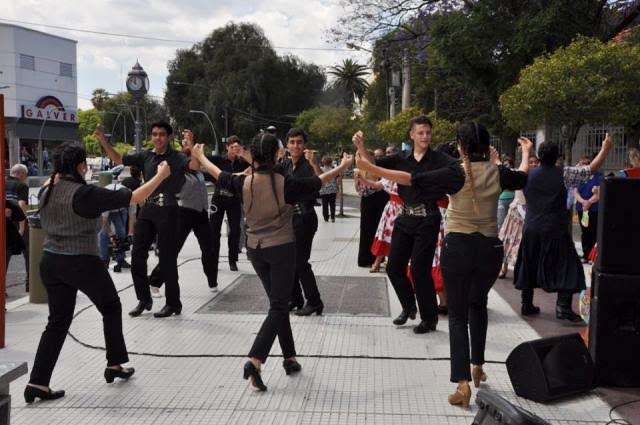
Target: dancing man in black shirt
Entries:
(158, 216)
(415, 233)
(302, 163)
(225, 201)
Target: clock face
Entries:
(134, 83)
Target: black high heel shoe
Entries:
(308, 310)
(296, 305)
(124, 373)
(404, 316)
(250, 371)
(291, 366)
(30, 394)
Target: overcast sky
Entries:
(103, 61)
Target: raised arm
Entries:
(198, 153)
(400, 177)
(140, 194)
(597, 162)
(311, 157)
(187, 144)
(111, 152)
(526, 146)
(346, 162)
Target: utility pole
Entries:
(395, 85)
(406, 80)
(3, 232)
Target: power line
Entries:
(166, 40)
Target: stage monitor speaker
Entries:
(551, 368)
(614, 329)
(495, 410)
(618, 224)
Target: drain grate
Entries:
(341, 295)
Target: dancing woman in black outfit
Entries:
(71, 217)
(267, 197)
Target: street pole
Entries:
(3, 233)
(392, 102)
(138, 134)
(406, 80)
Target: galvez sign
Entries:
(51, 109)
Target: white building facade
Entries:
(39, 78)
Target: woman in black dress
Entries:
(71, 217)
(267, 197)
(547, 257)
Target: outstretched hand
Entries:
(310, 155)
(198, 151)
(362, 162)
(347, 160)
(164, 170)
(608, 142)
(494, 156)
(358, 140)
(187, 138)
(99, 132)
(525, 143)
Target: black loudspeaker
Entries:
(550, 368)
(614, 329)
(495, 410)
(618, 224)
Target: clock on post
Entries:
(138, 86)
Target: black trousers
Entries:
(329, 206)
(305, 227)
(198, 222)
(371, 208)
(470, 266)
(273, 266)
(63, 276)
(415, 239)
(564, 299)
(163, 222)
(220, 205)
(589, 234)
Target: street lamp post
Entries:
(138, 86)
(215, 135)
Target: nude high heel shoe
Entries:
(478, 376)
(461, 397)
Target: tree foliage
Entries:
(396, 130)
(350, 79)
(235, 73)
(330, 128)
(586, 82)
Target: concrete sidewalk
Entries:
(356, 369)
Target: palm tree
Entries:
(350, 79)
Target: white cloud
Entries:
(103, 61)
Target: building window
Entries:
(66, 69)
(28, 62)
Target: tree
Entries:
(98, 98)
(87, 122)
(396, 130)
(330, 128)
(349, 78)
(586, 82)
(236, 77)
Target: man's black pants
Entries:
(63, 276)
(273, 266)
(198, 222)
(470, 266)
(305, 227)
(220, 205)
(415, 239)
(163, 222)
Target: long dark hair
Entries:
(66, 159)
(264, 147)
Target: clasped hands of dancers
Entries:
(471, 258)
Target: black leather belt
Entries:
(420, 210)
(300, 208)
(161, 200)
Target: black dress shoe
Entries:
(30, 394)
(233, 266)
(529, 310)
(308, 310)
(565, 313)
(125, 265)
(296, 305)
(291, 366)
(142, 306)
(250, 371)
(424, 327)
(167, 311)
(404, 316)
(124, 373)
(117, 268)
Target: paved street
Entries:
(357, 369)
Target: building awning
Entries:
(30, 129)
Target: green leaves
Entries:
(350, 78)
